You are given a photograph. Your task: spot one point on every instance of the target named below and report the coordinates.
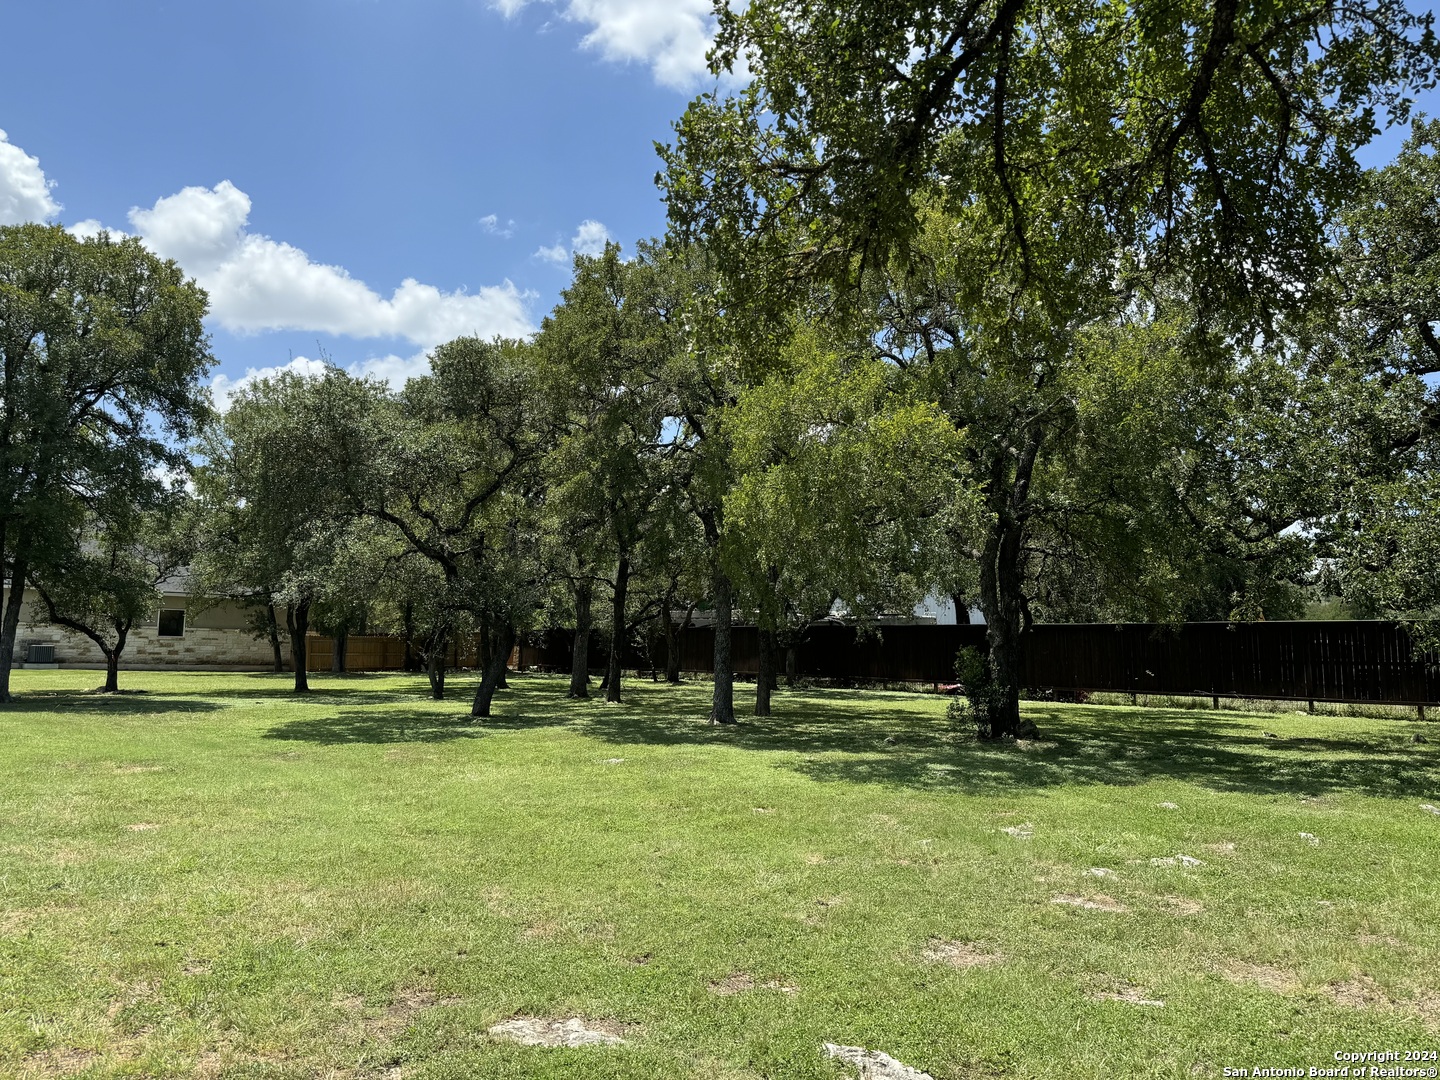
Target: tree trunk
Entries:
(618, 635)
(790, 665)
(408, 629)
(1002, 597)
(435, 671)
(503, 655)
(273, 628)
(722, 704)
(962, 610)
(10, 626)
(339, 649)
(297, 621)
(489, 683)
(482, 645)
(672, 641)
(580, 651)
(112, 671)
(765, 679)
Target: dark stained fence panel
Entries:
(1357, 662)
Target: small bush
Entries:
(979, 700)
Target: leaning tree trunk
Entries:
(618, 635)
(580, 651)
(765, 679)
(10, 626)
(489, 683)
(297, 621)
(722, 704)
(272, 629)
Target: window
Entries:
(172, 623)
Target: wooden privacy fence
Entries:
(373, 653)
(1352, 662)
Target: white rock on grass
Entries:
(1430, 809)
(1168, 806)
(537, 1031)
(1100, 871)
(1310, 838)
(1177, 860)
(873, 1065)
(1020, 832)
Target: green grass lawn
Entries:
(212, 879)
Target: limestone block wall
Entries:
(197, 648)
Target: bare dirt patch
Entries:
(131, 770)
(142, 826)
(572, 1032)
(1126, 994)
(1361, 992)
(961, 954)
(389, 1022)
(1264, 976)
(741, 982)
(1098, 902)
(17, 921)
(1019, 832)
(814, 858)
(1225, 847)
(874, 1065)
(1176, 860)
(1181, 905)
(61, 1061)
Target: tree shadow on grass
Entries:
(90, 703)
(355, 688)
(858, 742)
(371, 725)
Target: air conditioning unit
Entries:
(40, 654)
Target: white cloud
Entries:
(671, 36)
(392, 369)
(491, 224)
(24, 191)
(589, 239)
(256, 283)
(223, 388)
(90, 228)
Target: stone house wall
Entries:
(206, 645)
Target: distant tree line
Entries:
(1067, 311)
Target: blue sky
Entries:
(365, 178)
(467, 146)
